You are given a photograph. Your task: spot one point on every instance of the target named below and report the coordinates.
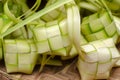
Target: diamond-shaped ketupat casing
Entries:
(100, 57)
(52, 38)
(20, 56)
(100, 25)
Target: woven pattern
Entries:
(20, 56)
(53, 15)
(52, 38)
(100, 58)
(99, 26)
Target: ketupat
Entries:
(20, 55)
(99, 26)
(53, 33)
(52, 38)
(101, 56)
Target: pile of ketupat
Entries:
(64, 28)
